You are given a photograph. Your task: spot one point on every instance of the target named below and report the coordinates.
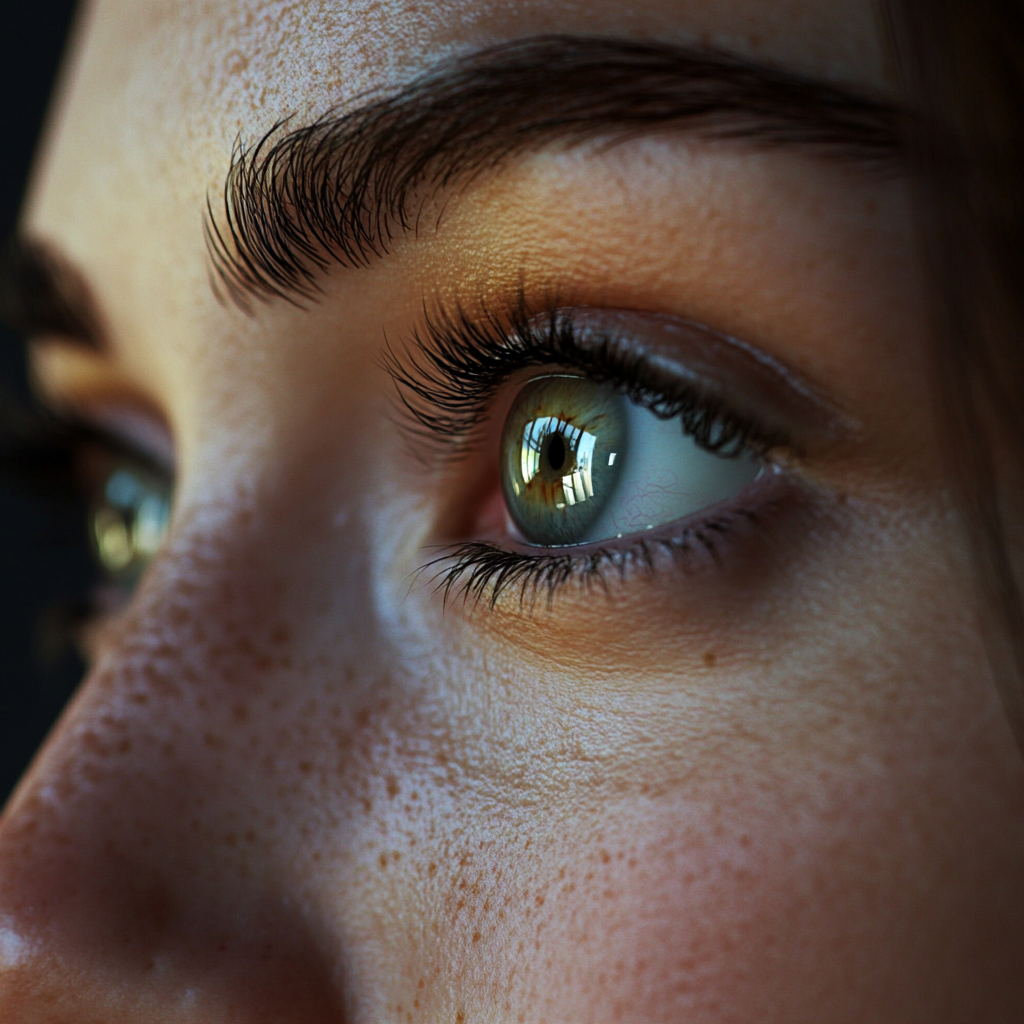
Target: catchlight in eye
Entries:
(581, 463)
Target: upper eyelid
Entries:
(446, 384)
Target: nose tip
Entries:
(100, 926)
(113, 930)
(132, 890)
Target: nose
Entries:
(145, 874)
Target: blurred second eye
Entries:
(130, 512)
(581, 463)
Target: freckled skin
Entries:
(296, 788)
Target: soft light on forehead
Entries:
(258, 60)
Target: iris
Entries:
(580, 462)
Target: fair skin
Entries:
(776, 785)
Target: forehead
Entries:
(205, 71)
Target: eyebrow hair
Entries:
(42, 292)
(341, 189)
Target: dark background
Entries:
(44, 557)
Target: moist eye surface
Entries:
(582, 463)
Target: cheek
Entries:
(829, 894)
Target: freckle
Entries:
(367, 805)
(460, 1018)
(487, 905)
(431, 869)
(124, 746)
(476, 936)
(540, 901)
(605, 856)
(710, 658)
(383, 860)
(139, 698)
(392, 786)
(396, 856)
(280, 635)
(241, 713)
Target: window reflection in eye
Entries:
(582, 463)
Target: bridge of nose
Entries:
(150, 864)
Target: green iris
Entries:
(581, 463)
(562, 454)
(129, 520)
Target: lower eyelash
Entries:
(482, 571)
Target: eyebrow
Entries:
(340, 190)
(42, 292)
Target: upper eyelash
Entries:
(38, 449)
(456, 365)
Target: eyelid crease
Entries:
(450, 375)
(734, 371)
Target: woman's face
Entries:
(720, 745)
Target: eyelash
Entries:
(447, 390)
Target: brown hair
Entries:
(961, 69)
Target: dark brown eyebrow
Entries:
(342, 189)
(42, 292)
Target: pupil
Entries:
(556, 452)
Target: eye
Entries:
(581, 463)
(128, 517)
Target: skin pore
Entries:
(772, 782)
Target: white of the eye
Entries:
(666, 476)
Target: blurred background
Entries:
(45, 563)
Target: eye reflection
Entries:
(582, 463)
(559, 447)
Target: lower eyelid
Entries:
(708, 540)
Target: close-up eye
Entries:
(581, 462)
